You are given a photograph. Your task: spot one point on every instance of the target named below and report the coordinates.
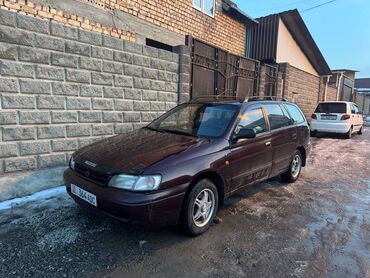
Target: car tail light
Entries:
(345, 117)
(313, 117)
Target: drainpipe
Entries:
(340, 83)
(326, 86)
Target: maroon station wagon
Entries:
(181, 167)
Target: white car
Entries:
(337, 117)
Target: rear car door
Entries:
(356, 117)
(331, 112)
(251, 159)
(283, 138)
(300, 123)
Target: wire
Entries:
(318, 6)
(282, 6)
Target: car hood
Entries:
(131, 153)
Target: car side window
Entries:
(353, 110)
(357, 111)
(276, 116)
(253, 119)
(295, 113)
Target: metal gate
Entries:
(220, 73)
(270, 80)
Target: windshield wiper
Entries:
(180, 132)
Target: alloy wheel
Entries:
(296, 165)
(203, 207)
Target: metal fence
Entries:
(218, 72)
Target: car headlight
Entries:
(72, 163)
(136, 183)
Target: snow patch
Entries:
(42, 195)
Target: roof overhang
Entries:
(231, 9)
(298, 29)
(362, 83)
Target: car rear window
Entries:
(340, 108)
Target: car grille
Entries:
(92, 175)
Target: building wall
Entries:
(288, 51)
(63, 87)
(331, 93)
(182, 18)
(301, 87)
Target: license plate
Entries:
(328, 118)
(84, 195)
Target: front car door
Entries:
(283, 137)
(251, 159)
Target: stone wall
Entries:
(62, 88)
(30, 8)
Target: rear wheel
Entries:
(200, 208)
(294, 171)
(349, 133)
(360, 131)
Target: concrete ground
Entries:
(317, 227)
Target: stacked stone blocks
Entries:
(63, 88)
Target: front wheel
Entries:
(200, 207)
(294, 171)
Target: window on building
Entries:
(159, 45)
(206, 6)
(276, 116)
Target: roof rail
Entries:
(241, 99)
(247, 99)
(217, 97)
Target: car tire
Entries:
(360, 131)
(349, 133)
(200, 207)
(295, 168)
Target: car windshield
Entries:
(331, 108)
(198, 120)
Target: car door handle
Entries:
(268, 144)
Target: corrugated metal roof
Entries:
(362, 83)
(265, 37)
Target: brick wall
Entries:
(62, 88)
(181, 17)
(331, 94)
(46, 12)
(302, 88)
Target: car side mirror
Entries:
(246, 133)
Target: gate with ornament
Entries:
(218, 72)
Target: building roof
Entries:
(265, 39)
(344, 70)
(230, 8)
(362, 83)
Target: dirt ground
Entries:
(317, 227)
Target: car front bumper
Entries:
(331, 127)
(161, 208)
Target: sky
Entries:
(341, 28)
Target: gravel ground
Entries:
(317, 227)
